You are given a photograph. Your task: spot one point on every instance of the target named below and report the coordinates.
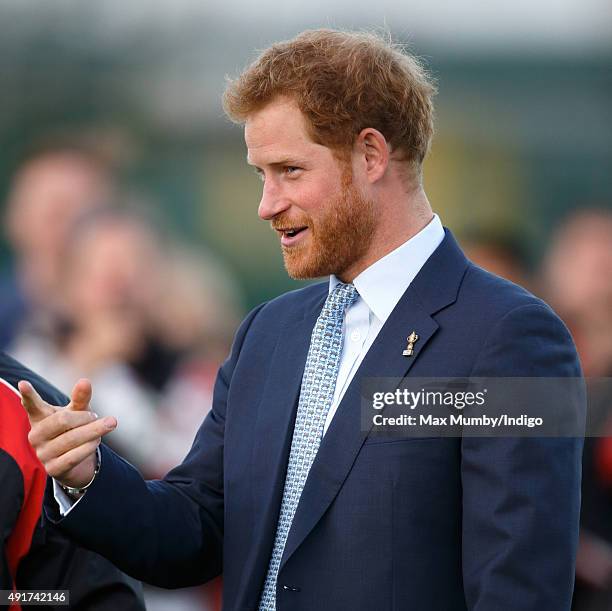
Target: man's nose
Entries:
(273, 202)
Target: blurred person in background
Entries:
(51, 188)
(106, 286)
(577, 279)
(499, 251)
(195, 317)
(130, 305)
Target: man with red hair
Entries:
(285, 491)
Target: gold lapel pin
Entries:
(412, 338)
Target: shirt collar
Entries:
(382, 284)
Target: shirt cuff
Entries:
(65, 502)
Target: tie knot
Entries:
(342, 297)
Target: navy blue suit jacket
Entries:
(428, 524)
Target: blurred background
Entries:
(131, 245)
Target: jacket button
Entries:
(291, 588)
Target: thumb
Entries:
(80, 395)
(36, 408)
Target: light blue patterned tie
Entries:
(316, 396)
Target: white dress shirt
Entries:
(380, 288)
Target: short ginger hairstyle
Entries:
(343, 82)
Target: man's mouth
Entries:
(291, 235)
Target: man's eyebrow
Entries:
(282, 162)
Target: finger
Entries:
(58, 423)
(61, 465)
(73, 439)
(33, 403)
(80, 396)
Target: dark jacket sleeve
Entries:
(521, 496)
(56, 562)
(166, 532)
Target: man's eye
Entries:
(260, 174)
(291, 169)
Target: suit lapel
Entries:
(273, 433)
(435, 287)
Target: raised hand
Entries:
(66, 438)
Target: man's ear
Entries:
(374, 153)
